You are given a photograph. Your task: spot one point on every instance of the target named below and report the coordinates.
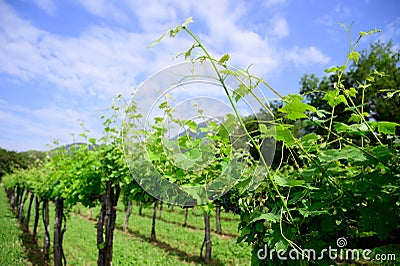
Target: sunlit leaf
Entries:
(192, 125)
(388, 128)
(224, 59)
(280, 132)
(295, 108)
(240, 92)
(354, 56)
(334, 98)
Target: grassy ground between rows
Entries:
(12, 251)
(176, 245)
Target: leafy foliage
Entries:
(344, 180)
(371, 82)
(11, 160)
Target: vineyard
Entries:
(310, 171)
(176, 245)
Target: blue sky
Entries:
(62, 62)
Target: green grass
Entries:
(12, 251)
(176, 245)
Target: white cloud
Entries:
(307, 56)
(279, 27)
(48, 6)
(325, 20)
(338, 15)
(273, 3)
(102, 61)
(227, 34)
(343, 11)
(99, 62)
(159, 14)
(26, 128)
(105, 9)
(391, 32)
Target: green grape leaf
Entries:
(187, 21)
(294, 108)
(310, 142)
(280, 132)
(281, 245)
(192, 125)
(331, 69)
(333, 98)
(322, 113)
(354, 56)
(352, 92)
(388, 128)
(227, 127)
(288, 182)
(240, 92)
(347, 153)
(335, 69)
(355, 118)
(224, 59)
(270, 217)
(307, 213)
(163, 105)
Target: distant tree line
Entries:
(11, 160)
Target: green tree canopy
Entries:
(11, 160)
(379, 64)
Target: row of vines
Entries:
(89, 174)
(331, 177)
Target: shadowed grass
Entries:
(176, 245)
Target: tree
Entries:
(8, 161)
(384, 59)
(379, 67)
(11, 160)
